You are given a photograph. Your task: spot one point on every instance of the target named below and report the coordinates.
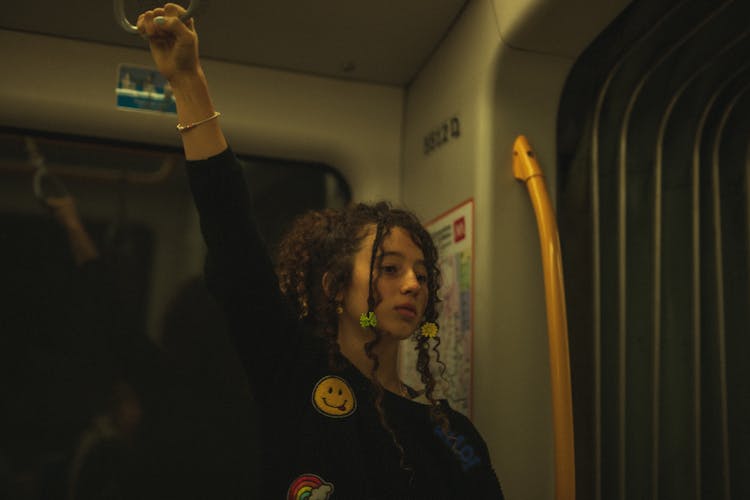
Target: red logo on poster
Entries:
(459, 230)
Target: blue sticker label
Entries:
(145, 89)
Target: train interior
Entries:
(636, 111)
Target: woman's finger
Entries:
(146, 25)
(172, 9)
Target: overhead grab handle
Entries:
(122, 19)
(44, 184)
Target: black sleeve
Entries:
(239, 271)
(488, 484)
(482, 478)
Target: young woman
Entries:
(319, 339)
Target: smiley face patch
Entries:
(333, 397)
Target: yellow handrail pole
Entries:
(526, 169)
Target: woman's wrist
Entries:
(188, 80)
(201, 134)
(192, 97)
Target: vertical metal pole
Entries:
(720, 320)
(597, 280)
(597, 295)
(527, 169)
(721, 327)
(657, 259)
(656, 318)
(622, 235)
(622, 325)
(747, 230)
(696, 272)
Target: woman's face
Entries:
(400, 278)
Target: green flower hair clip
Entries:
(429, 330)
(368, 319)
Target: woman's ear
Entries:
(326, 282)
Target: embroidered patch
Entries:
(309, 487)
(458, 445)
(333, 397)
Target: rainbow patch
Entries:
(309, 487)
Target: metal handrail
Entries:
(122, 19)
(527, 169)
(47, 180)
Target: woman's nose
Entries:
(411, 283)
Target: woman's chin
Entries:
(399, 333)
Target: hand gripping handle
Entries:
(123, 20)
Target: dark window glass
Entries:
(118, 379)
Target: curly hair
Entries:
(325, 241)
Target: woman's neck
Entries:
(352, 346)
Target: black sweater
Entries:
(321, 436)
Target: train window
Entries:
(115, 361)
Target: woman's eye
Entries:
(389, 269)
(422, 278)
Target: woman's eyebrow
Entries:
(392, 254)
(399, 254)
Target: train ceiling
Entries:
(380, 42)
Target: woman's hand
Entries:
(174, 47)
(173, 43)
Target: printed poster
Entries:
(453, 233)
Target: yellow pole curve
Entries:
(526, 169)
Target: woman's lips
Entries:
(407, 311)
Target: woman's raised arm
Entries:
(239, 271)
(174, 47)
